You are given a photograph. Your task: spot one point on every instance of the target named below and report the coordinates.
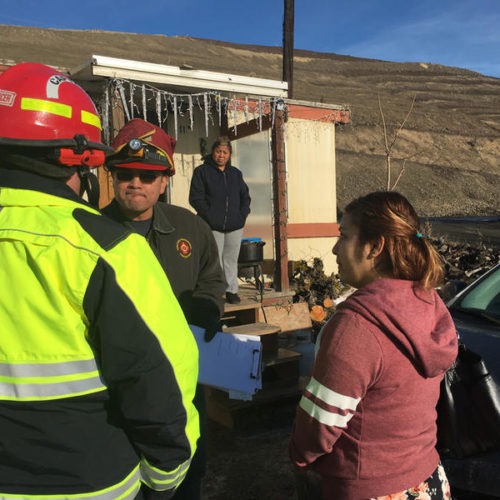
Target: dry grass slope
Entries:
(451, 143)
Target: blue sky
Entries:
(463, 33)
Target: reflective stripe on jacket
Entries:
(125, 490)
(98, 367)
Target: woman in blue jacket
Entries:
(220, 196)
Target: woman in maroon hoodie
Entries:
(366, 422)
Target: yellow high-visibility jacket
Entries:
(98, 367)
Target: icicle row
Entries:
(185, 103)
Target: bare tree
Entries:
(389, 144)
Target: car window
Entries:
(485, 296)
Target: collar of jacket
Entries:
(210, 161)
(161, 223)
(20, 179)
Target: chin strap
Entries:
(86, 159)
(89, 185)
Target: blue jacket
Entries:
(221, 198)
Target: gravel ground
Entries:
(251, 461)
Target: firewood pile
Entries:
(466, 261)
(462, 261)
(319, 290)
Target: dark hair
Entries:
(222, 141)
(406, 254)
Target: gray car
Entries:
(476, 312)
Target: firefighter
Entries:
(183, 242)
(98, 367)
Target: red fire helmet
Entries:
(40, 106)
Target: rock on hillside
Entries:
(449, 147)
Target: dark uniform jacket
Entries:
(186, 249)
(221, 197)
(98, 367)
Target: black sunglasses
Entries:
(146, 176)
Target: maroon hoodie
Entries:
(367, 420)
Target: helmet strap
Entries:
(81, 144)
(89, 185)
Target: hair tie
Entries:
(419, 235)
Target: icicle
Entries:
(144, 104)
(273, 110)
(158, 106)
(190, 98)
(246, 108)
(107, 138)
(210, 115)
(260, 114)
(198, 103)
(165, 98)
(175, 115)
(235, 118)
(205, 105)
(131, 92)
(121, 92)
(180, 100)
(219, 108)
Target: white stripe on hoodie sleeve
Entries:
(317, 391)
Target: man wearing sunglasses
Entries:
(140, 166)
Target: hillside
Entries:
(450, 146)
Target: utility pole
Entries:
(281, 279)
(288, 27)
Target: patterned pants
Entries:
(435, 487)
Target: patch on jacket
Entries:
(184, 248)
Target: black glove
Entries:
(205, 314)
